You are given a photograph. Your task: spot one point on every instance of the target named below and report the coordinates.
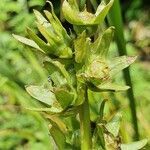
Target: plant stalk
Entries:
(115, 19)
(85, 127)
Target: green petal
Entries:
(119, 63)
(134, 146)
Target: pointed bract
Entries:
(119, 63)
(102, 43)
(113, 126)
(44, 95)
(81, 52)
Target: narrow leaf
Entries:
(41, 19)
(59, 29)
(101, 111)
(112, 87)
(108, 87)
(100, 133)
(45, 109)
(134, 146)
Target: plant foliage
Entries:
(76, 63)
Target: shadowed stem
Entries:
(85, 127)
(115, 19)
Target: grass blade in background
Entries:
(115, 19)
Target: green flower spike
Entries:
(74, 16)
(58, 41)
(97, 70)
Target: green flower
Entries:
(97, 70)
(74, 16)
(88, 66)
(58, 41)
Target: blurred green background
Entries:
(19, 66)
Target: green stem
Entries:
(115, 19)
(85, 127)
